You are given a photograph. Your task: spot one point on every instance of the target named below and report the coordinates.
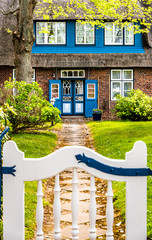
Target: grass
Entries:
(113, 139)
(34, 144)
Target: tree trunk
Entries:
(23, 39)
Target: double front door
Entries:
(72, 97)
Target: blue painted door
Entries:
(55, 92)
(91, 96)
(72, 97)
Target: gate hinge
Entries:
(119, 171)
(8, 170)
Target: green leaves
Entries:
(136, 107)
(29, 104)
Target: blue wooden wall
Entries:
(98, 47)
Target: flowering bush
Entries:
(29, 104)
(137, 106)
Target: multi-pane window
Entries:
(91, 90)
(73, 73)
(33, 75)
(116, 35)
(121, 82)
(55, 91)
(50, 32)
(84, 33)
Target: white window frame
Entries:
(73, 73)
(33, 75)
(113, 30)
(85, 35)
(94, 91)
(123, 36)
(58, 91)
(122, 81)
(46, 34)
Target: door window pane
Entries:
(91, 91)
(67, 87)
(55, 90)
(79, 86)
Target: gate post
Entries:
(136, 195)
(13, 194)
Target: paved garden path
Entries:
(75, 132)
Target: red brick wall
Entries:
(42, 77)
(143, 80)
(5, 74)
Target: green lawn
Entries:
(34, 145)
(113, 139)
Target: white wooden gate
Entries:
(28, 169)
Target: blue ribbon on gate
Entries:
(4, 170)
(119, 171)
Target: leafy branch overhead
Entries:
(97, 12)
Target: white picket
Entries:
(75, 206)
(39, 211)
(109, 212)
(57, 209)
(92, 209)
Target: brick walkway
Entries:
(75, 132)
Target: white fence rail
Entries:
(51, 165)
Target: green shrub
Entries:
(29, 104)
(137, 106)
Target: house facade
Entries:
(84, 67)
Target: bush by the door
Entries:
(29, 104)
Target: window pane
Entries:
(81, 73)
(116, 90)
(127, 74)
(70, 73)
(64, 73)
(67, 87)
(109, 33)
(116, 74)
(55, 91)
(84, 33)
(91, 90)
(39, 34)
(127, 86)
(79, 87)
(129, 35)
(118, 34)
